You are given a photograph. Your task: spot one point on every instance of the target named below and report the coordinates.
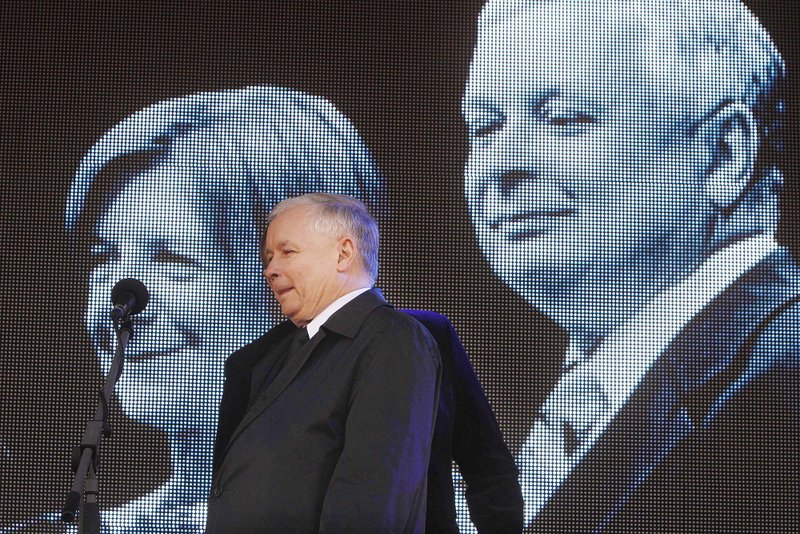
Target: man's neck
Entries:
(587, 330)
(716, 272)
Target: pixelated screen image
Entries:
(599, 195)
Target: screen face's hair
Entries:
(548, 177)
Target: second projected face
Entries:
(155, 229)
(581, 178)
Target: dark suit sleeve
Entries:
(467, 432)
(379, 481)
(493, 491)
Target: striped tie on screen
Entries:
(562, 425)
(576, 404)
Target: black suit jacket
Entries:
(708, 441)
(467, 432)
(339, 442)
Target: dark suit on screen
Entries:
(467, 432)
(709, 439)
(340, 440)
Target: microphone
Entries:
(129, 297)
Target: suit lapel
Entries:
(287, 374)
(715, 348)
(638, 438)
(676, 397)
(281, 382)
(238, 375)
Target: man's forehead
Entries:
(270, 245)
(565, 13)
(688, 55)
(550, 46)
(287, 224)
(294, 226)
(286, 227)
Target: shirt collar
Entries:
(316, 323)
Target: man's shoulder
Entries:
(442, 330)
(753, 302)
(774, 287)
(776, 275)
(395, 329)
(370, 312)
(401, 319)
(430, 319)
(780, 336)
(397, 340)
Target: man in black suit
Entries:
(625, 159)
(326, 421)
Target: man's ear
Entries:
(733, 138)
(347, 254)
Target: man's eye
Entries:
(484, 130)
(168, 256)
(100, 254)
(574, 119)
(482, 122)
(567, 112)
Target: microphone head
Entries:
(135, 289)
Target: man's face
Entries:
(582, 181)
(301, 265)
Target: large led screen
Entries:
(599, 195)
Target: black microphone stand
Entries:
(86, 456)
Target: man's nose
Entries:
(148, 315)
(509, 180)
(271, 270)
(153, 282)
(514, 157)
(100, 306)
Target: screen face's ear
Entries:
(732, 138)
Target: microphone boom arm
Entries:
(86, 456)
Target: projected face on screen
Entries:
(158, 230)
(593, 166)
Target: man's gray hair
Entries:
(340, 216)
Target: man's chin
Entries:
(289, 311)
(527, 270)
(295, 317)
(538, 283)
